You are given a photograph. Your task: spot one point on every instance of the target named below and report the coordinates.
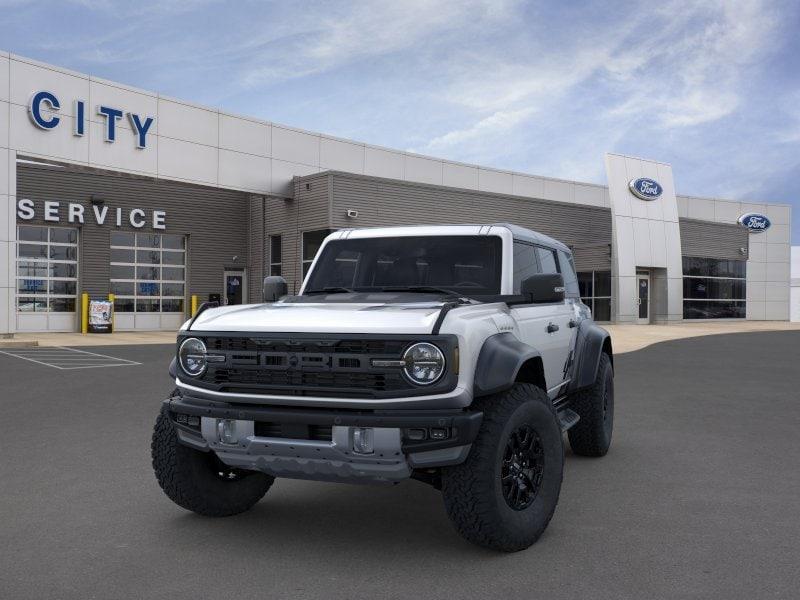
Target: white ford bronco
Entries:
(455, 355)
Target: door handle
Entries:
(552, 328)
(572, 323)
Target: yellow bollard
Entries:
(84, 312)
(111, 298)
(194, 304)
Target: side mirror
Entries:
(274, 288)
(544, 288)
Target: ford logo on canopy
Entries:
(646, 189)
(754, 222)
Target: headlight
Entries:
(424, 363)
(192, 357)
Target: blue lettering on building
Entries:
(39, 119)
(646, 189)
(44, 104)
(754, 222)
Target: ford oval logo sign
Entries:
(646, 189)
(754, 222)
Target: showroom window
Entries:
(47, 269)
(312, 240)
(714, 288)
(148, 272)
(595, 290)
(275, 255)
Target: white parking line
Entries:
(67, 359)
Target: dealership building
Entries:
(107, 189)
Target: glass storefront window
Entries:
(595, 290)
(148, 272)
(47, 268)
(714, 288)
(275, 254)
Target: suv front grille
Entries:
(319, 366)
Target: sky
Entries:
(711, 87)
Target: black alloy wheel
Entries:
(522, 468)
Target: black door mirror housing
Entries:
(544, 288)
(274, 288)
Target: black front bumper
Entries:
(461, 426)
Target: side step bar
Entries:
(567, 418)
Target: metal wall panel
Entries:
(713, 240)
(381, 202)
(214, 219)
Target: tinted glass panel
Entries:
(32, 251)
(720, 289)
(174, 242)
(62, 304)
(172, 305)
(585, 285)
(32, 286)
(123, 304)
(32, 234)
(148, 257)
(714, 267)
(122, 288)
(25, 304)
(172, 289)
(123, 256)
(547, 260)
(147, 273)
(172, 273)
(173, 258)
(275, 249)
(147, 306)
(602, 309)
(64, 252)
(602, 283)
(467, 264)
(63, 288)
(709, 309)
(147, 288)
(525, 264)
(63, 270)
(276, 270)
(62, 235)
(119, 272)
(312, 240)
(32, 269)
(120, 238)
(148, 240)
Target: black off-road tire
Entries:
(473, 493)
(591, 436)
(199, 481)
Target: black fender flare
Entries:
(499, 362)
(592, 340)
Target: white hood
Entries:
(416, 317)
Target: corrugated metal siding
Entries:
(713, 240)
(382, 202)
(215, 220)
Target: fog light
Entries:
(363, 440)
(226, 429)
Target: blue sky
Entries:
(712, 87)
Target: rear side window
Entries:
(525, 264)
(568, 271)
(547, 260)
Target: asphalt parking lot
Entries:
(698, 498)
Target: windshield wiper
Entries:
(329, 290)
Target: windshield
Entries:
(469, 265)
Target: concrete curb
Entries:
(19, 344)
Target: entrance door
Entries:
(643, 287)
(234, 287)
